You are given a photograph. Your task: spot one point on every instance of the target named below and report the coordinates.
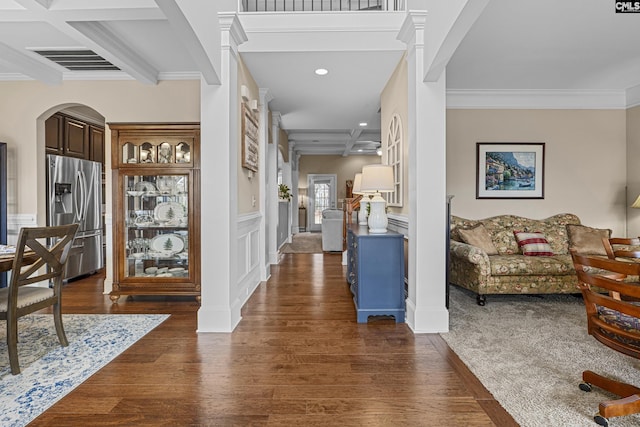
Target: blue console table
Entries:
(375, 272)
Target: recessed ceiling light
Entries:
(363, 124)
(322, 71)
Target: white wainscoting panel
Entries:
(398, 223)
(248, 258)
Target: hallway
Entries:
(297, 358)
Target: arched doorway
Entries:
(74, 152)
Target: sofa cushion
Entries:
(521, 265)
(587, 240)
(501, 229)
(478, 237)
(533, 244)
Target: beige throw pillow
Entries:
(587, 240)
(478, 236)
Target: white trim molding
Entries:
(248, 238)
(398, 223)
(633, 96)
(537, 99)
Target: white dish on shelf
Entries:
(167, 243)
(135, 192)
(143, 220)
(146, 187)
(170, 212)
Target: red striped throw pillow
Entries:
(533, 244)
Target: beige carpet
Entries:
(529, 352)
(303, 243)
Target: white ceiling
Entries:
(572, 46)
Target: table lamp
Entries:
(364, 202)
(377, 179)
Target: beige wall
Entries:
(633, 170)
(248, 183)
(344, 167)
(395, 100)
(22, 104)
(585, 164)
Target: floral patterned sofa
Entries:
(509, 271)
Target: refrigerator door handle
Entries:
(80, 210)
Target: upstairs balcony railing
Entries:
(320, 5)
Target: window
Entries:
(394, 158)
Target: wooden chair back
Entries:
(617, 252)
(41, 254)
(609, 315)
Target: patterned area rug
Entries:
(530, 351)
(49, 371)
(303, 243)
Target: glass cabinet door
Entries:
(156, 232)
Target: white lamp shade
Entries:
(636, 204)
(377, 179)
(357, 184)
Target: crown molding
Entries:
(633, 96)
(537, 99)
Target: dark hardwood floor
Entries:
(297, 358)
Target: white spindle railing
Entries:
(319, 5)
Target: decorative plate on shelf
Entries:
(146, 187)
(143, 220)
(167, 243)
(170, 212)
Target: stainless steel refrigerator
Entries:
(75, 196)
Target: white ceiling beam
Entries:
(104, 42)
(34, 4)
(104, 10)
(447, 24)
(96, 36)
(24, 64)
(199, 33)
(349, 145)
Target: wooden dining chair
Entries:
(624, 247)
(614, 320)
(36, 261)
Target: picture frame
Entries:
(250, 146)
(510, 170)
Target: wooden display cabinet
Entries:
(156, 214)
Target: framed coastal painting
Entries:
(510, 170)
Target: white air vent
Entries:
(78, 60)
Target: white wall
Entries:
(585, 163)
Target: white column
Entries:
(272, 190)
(219, 173)
(265, 98)
(426, 310)
(294, 158)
